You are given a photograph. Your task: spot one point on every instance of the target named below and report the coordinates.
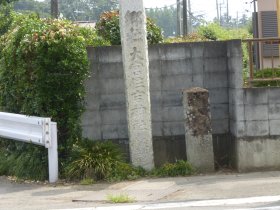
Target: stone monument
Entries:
(199, 142)
(137, 82)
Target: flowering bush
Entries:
(108, 27)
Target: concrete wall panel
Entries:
(173, 67)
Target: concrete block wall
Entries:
(245, 121)
(254, 120)
(173, 67)
(257, 129)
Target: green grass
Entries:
(122, 198)
(87, 181)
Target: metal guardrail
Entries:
(261, 51)
(35, 130)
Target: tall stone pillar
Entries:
(199, 141)
(137, 82)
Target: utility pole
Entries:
(237, 19)
(54, 8)
(217, 7)
(185, 18)
(221, 17)
(227, 13)
(190, 15)
(179, 18)
(256, 21)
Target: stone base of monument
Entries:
(199, 142)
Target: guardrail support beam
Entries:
(53, 155)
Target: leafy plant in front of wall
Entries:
(43, 67)
(93, 160)
(103, 160)
(108, 27)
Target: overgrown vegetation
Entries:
(43, 66)
(108, 28)
(95, 161)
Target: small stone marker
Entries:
(198, 129)
(137, 82)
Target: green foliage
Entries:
(122, 198)
(75, 10)
(208, 33)
(125, 171)
(43, 67)
(213, 31)
(267, 73)
(192, 37)
(92, 159)
(23, 161)
(98, 160)
(87, 181)
(154, 33)
(180, 168)
(5, 2)
(6, 18)
(91, 37)
(108, 28)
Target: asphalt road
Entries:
(259, 191)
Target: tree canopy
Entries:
(3, 2)
(78, 10)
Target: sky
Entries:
(208, 7)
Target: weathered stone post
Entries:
(137, 82)
(199, 141)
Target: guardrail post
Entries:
(53, 155)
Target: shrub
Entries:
(108, 28)
(192, 37)
(214, 32)
(180, 168)
(43, 67)
(208, 33)
(93, 159)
